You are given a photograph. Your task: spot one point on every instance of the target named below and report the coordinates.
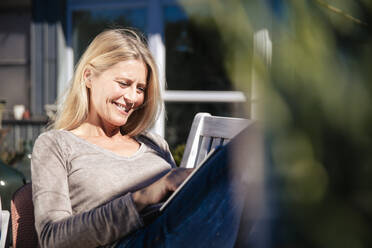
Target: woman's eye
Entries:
(141, 89)
(122, 83)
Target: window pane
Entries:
(88, 23)
(181, 115)
(194, 52)
(15, 89)
(15, 58)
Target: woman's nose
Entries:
(130, 95)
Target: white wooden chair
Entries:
(206, 133)
(4, 223)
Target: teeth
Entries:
(121, 107)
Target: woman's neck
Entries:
(89, 129)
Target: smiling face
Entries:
(116, 92)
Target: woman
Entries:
(94, 173)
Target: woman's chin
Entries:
(119, 121)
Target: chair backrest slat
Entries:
(206, 133)
(205, 147)
(225, 141)
(217, 141)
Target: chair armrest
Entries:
(4, 221)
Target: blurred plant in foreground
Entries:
(316, 100)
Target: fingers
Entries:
(175, 177)
(161, 189)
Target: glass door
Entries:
(90, 21)
(196, 77)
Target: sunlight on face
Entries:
(117, 92)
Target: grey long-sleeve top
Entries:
(82, 192)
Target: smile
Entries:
(122, 107)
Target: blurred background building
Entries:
(41, 42)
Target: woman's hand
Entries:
(156, 192)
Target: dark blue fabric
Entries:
(205, 213)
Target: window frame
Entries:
(155, 36)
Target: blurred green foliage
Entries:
(178, 153)
(316, 109)
(8, 154)
(11, 156)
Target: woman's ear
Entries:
(87, 75)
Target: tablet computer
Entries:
(200, 165)
(150, 212)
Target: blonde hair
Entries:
(107, 49)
